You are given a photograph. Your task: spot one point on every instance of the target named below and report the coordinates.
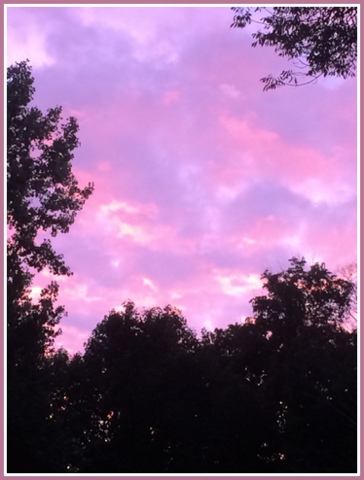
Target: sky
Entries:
(202, 180)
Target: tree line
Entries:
(274, 394)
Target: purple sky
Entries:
(202, 180)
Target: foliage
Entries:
(42, 196)
(130, 394)
(276, 394)
(42, 192)
(310, 378)
(322, 41)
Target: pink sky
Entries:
(202, 180)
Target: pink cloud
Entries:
(72, 339)
(201, 180)
(255, 150)
(235, 283)
(171, 96)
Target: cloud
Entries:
(72, 339)
(230, 90)
(25, 40)
(202, 181)
(235, 283)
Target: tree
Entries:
(310, 373)
(275, 394)
(150, 397)
(322, 41)
(43, 197)
(133, 397)
(42, 192)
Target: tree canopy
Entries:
(275, 394)
(321, 41)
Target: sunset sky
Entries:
(202, 180)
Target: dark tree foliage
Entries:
(42, 192)
(310, 374)
(322, 41)
(135, 374)
(276, 394)
(43, 197)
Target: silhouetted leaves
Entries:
(321, 41)
(43, 198)
(274, 394)
(42, 192)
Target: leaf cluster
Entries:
(42, 192)
(322, 41)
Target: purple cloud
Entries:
(202, 181)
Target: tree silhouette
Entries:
(42, 196)
(310, 374)
(275, 394)
(133, 385)
(321, 41)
